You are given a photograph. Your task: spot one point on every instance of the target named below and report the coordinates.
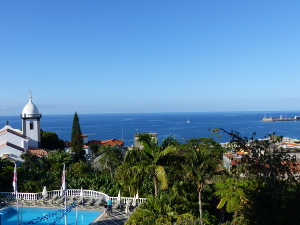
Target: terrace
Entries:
(83, 199)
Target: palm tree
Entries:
(109, 160)
(203, 157)
(169, 141)
(52, 167)
(139, 164)
(159, 210)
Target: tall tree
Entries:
(170, 140)
(110, 159)
(203, 156)
(140, 164)
(77, 139)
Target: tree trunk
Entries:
(200, 203)
(155, 186)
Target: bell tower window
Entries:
(31, 125)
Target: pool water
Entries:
(27, 214)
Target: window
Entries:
(31, 125)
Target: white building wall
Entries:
(33, 134)
(25, 144)
(226, 163)
(87, 150)
(14, 139)
(12, 152)
(85, 139)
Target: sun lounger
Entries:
(54, 197)
(98, 202)
(89, 201)
(29, 202)
(43, 200)
(118, 205)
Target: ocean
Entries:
(124, 126)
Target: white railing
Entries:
(126, 200)
(70, 192)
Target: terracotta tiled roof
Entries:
(234, 158)
(12, 146)
(112, 142)
(38, 152)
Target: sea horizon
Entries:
(123, 126)
(165, 112)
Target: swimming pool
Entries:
(28, 214)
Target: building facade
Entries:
(15, 142)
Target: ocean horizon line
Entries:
(147, 113)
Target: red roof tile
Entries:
(112, 142)
(38, 152)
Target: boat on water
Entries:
(188, 120)
(281, 118)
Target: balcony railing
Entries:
(11, 196)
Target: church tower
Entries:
(31, 124)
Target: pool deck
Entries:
(116, 218)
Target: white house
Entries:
(15, 142)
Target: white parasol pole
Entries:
(119, 197)
(137, 196)
(64, 187)
(81, 195)
(15, 185)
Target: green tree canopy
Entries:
(142, 164)
(6, 174)
(203, 157)
(51, 141)
(77, 139)
(262, 187)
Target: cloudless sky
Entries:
(117, 56)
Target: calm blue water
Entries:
(27, 214)
(124, 126)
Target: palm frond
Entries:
(162, 177)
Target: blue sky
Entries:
(149, 56)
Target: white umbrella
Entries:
(61, 191)
(45, 193)
(119, 197)
(134, 201)
(81, 195)
(137, 195)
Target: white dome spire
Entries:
(30, 110)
